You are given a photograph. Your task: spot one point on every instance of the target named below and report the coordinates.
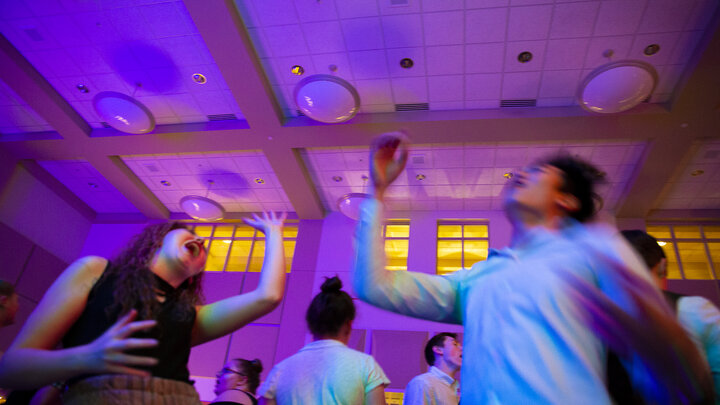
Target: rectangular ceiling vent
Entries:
(397, 3)
(417, 159)
(517, 103)
(412, 107)
(222, 117)
(151, 167)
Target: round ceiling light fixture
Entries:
(617, 86)
(123, 112)
(327, 99)
(202, 208)
(349, 204)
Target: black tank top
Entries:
(173, 329)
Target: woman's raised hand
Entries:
(106, 354)
(388, 156)
(268, 222)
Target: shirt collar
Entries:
(321, 344)
(441, 375)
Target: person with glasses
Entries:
(237, 382)
(127, 325)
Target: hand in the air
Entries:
(268, 222)
(388, 156)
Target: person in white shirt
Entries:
(326, 371)
(438, 386)
(539, 314)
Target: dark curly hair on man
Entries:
(581, 180)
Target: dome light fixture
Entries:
(617, 86)
(327, 98)
(202, 208)
(123, 112)
(349, 204)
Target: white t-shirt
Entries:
(323, 372)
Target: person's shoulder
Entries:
(421, 380)
(694, 303)
(86, 268)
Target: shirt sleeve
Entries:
(702, 319)
(417, 392)
(269, 386)
(405, 292)
(375, 375)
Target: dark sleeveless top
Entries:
(172, 331)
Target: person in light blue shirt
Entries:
(438, 386)
(538, 315)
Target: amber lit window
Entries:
(394, 397)
(460, 244)
(239, 247)
(693, 251)
(397, 236)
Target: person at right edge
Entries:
(698, 316)
(539, 314)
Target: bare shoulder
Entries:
(86, 270)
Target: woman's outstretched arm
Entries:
(31, 362)
(225, 316)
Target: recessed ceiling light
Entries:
(508, 175)
(93, 185)
(83, 88)
(259, 181)
(525, 57)
(420, 177)
(165, 183)
(406, 63)
(698, 172)
(651, 49)
(199, 78)
(337, 179)
(332, 68)
(297, 70)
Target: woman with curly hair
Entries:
(237, 382)
(127, 325)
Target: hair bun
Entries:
(331, 285)
(256, 365)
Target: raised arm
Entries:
(408, 293)
(225, 316)
(31, 362)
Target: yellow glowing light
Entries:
(661, 243)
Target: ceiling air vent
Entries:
(412, 107)
(222, 117)
(517, 103)
(399, 2)
(417, 159)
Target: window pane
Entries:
(476, 231)
(712, 232)
(659, 231)
(396, 251)
(714, 249)
(290, 231)
(289, 247)
(225, 231)
(217, 253)
(694, 261)
(449, 231)
(686, 232)
(673, 270)
(475, 251)
(239, 254)
(244, 231)
(449, 256)
(203, 230)
(258, 254)
(397, 231)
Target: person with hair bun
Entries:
(326, 371)
(237, 382)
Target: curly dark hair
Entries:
(330, 309)
(581, 179)
(136, 285)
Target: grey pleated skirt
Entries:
(116, 389)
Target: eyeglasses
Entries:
(226, 370)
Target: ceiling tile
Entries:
(402, 31)
(482, 87)
(566, 53)
(354, 8)
(416, 54)
(441, 5)
(369, 64)
(167, 20)
(443, 28)
(324, 37)
(573, 20)
(286, 40)
(444, 60)
(667, 44)
(513, 51)
(701, 15)
(374, 91)
(338, 60)
(664, 16)
(469, 4)
(409, 90)
(276, 12)
(409, 6)
(313, 10)
(529, 23)
(485, 25)
(484, 58)
(446, 105)
(520, 85)
(445, 88)
(619, 17)
(363, 34)
(619, 45)
(685, 47)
